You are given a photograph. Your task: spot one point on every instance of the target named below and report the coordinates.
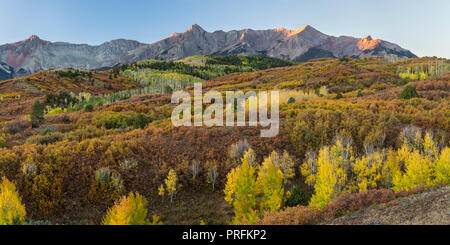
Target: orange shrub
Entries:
(298, 215)
(347, 202)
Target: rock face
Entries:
(34, 54)
(279, 43)
(6, 71)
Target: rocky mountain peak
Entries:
(195, 28)
(33, 37)
(367, 39)
(368, 43)
(306, 31)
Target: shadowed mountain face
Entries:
(33, 54)
(6, 71)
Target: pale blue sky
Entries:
(420, 26)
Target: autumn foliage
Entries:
(76, 164)
(129, 210)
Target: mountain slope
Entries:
(6, 71)
(279, 43)
(33, 54)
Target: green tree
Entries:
(37, 111)
(291, 100)
(2, 142)
(409, 92)
(360, 94)
(89, 108)
(141, 120)
(297, 197)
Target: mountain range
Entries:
(34, 54)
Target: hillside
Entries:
(113, 135)
(16, 95)
(427, 208)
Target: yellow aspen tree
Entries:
(230, 192)
(240, 191)
(331, 177)
(325, 180)
(392, 166)
(12, 211)
(368, 171)
(442, 167)
(129, 210)
(284, 163)
(286, 166)
(270, 185)
(161, 190)
(250, 157)
(309, 168)
(171, 184)
(430, 148)
(418, 171)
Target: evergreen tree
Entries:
(409, 92)
(37, 111)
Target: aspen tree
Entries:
(212, 173)
(12, 212)
(130, 210)
(171, 184)
(240, 191)
(270, 185)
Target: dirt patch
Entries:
(428, 208)
(23, 86)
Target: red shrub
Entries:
(18, 126)
(347, 202)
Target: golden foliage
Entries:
(130, 210)
(12, 212)
(240, 191)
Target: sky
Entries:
(420, 26)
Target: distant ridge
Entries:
(34, 54)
